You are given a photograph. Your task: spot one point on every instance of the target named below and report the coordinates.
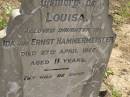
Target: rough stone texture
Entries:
(40, 59)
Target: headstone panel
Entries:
(56, 48)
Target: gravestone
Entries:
(56, 48)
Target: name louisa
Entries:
(63, 17)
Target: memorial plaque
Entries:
(56, 48)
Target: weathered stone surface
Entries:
(56, 49)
